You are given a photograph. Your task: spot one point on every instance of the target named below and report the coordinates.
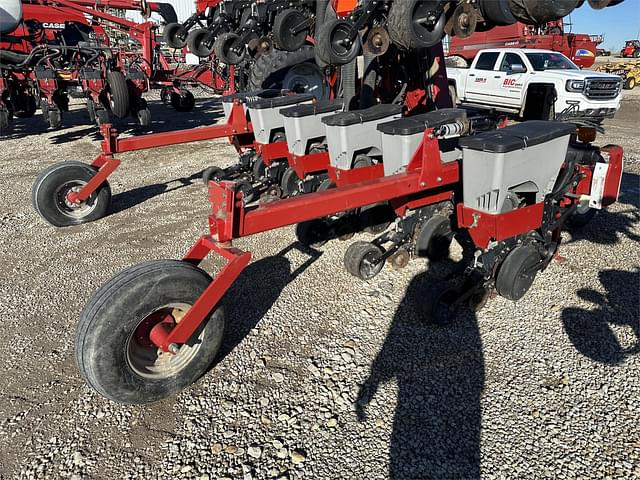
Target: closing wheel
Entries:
(229, 49)
(28, 107)
(416, 24)
(433, 238)
(259, 169)
(313, 233)
(213, 174)
(248, 192)
(287, 32)
(175, 35)
(376, 219)
(113, 349)
(290, 183)
(581, 217)
(517, 272)
(362, 259)
(102, 116)
(200, 42)
(50, 195)
(183, 101)
(165, 95)
(117, 94)
(444, 308)
(333, 44)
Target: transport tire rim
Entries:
(146, 359)
(305, 78)
(71, 209)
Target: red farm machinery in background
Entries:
(78, 48)
(579, 47)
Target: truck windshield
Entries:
(550, 61)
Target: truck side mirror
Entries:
(517, 68)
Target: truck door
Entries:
(478, 78)
(508, 81)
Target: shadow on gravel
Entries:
(256, 290)
(590, 329)
(125, 200)
(607, 225)
(440, 374)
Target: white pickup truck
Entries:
(535, 84)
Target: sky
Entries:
(618, 24)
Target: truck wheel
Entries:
(517, 272)
(175, 35)
(52, 186)
(406, 28)
(453, 94)
(118, 94)
(112, 346)
(360, 258)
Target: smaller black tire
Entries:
(118, 94)
(228, 49)
(405, 29)
(248, 192)
(630, 83)
(213, 174)
(175, 35)
(330, 42)
(49, 195)
(183, 101)
(91, 110)
(283, 35)
(517, 272)
(314, 233)
(259, 169)
(112, 347)
(102, 116)
(200, 42)
(54, 118)
(29, 108)
(375, 219)
(4, 120)
(444, 307)
(362, 259)
(144, 117)
(580, 219)
(326, 184)
(290, 183)
(433, 238)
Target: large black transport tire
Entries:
(112, 346)
(50, 190)
(118, 95)
(269, 71)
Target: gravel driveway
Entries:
(321, 375)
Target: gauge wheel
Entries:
(362, 259)
(117, 94)
(51, 190)
(175, 35)
(113, 349)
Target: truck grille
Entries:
(602, 89)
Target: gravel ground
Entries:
(317, 378)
